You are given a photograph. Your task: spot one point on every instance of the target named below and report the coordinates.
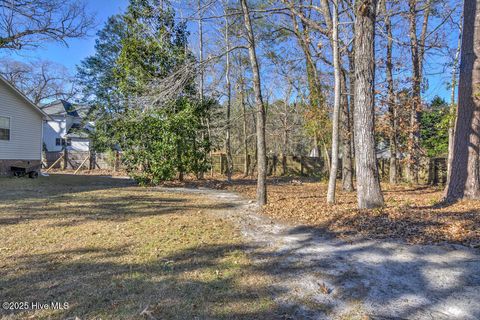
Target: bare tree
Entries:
(453, 84)
(336, 107)
(390, 95)
(347, 161)
(200, 50)
(417, 47)
(228, 144)
(316, 97)
(201, 89)
(465, 173)
(369, 194)
(260, 128)
(39, 80)
(285, 128)
(27, 24)
(242, 88)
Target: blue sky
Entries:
(78, 49)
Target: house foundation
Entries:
(6, 164)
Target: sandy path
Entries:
(325, 278)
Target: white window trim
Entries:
(9, 129)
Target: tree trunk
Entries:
(351, 75)
(417, 47)
(200, 49)
(326, 156)
(412, 171)
(451, 124)
(253, 166)
(465, 174)
(228, 149)
(200, 174)
(285, 130)
(347, 166)
(257, 88)
(336, 108)
(316, 97)
(369, 194)
(244, 114)
(391, 98)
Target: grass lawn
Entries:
(113, 250)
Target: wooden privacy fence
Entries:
(433, 170)
(74, 160)
(289, 165)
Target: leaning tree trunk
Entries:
(465, 173)
(336, 108)
(369, 194)
(257, 88)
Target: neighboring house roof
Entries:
(78, 135)
(83, 110)
(77, 131)
(23, 96)
(59, 108)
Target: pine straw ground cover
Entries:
(411, 213)
(113, 250)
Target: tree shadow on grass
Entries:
(72, 200)
(193, 283)
(205, 282)
(56, 185)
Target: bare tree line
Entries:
(351, 109)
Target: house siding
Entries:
(25, 127)
(79, 144)
(52, 130)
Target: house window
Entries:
(63, 142)
(4, 128)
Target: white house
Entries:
(21, 129)
(66, 127)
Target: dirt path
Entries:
(324, 278)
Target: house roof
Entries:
(78, 135)
(77, 131)
(60, 107)
(83, 110)
(23, 96)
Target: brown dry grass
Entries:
(114, 250)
